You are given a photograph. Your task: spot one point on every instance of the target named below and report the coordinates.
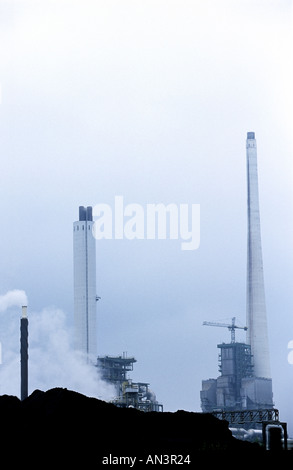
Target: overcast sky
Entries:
(150, 100)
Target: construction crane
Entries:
(231, 327)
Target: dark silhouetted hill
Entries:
(64, 426)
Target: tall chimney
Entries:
(85, 295)
(24, 354)
(257, 333)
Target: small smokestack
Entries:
(24, 312)
(24, 354)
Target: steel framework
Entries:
(248, 416)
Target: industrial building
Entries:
(245, 381)
(138, 395)
(236, 388)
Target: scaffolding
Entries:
(130, 394)
(114, 368)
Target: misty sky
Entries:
(150, 100)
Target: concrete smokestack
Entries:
(257, 334)
(84, 262)
(24, 354)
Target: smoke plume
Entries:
(52, 360)
(13, 298)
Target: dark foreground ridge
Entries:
(62, 424)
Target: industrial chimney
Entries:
(84, 257)
(24, 354)
(257, 332)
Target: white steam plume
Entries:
(13, 298)
(52, 360)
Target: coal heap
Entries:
(63, 425)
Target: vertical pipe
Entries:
(24, 354)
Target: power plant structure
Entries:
(138, 395)
(84, 265)
(245, 382)
(113, 369)
(256, 318)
